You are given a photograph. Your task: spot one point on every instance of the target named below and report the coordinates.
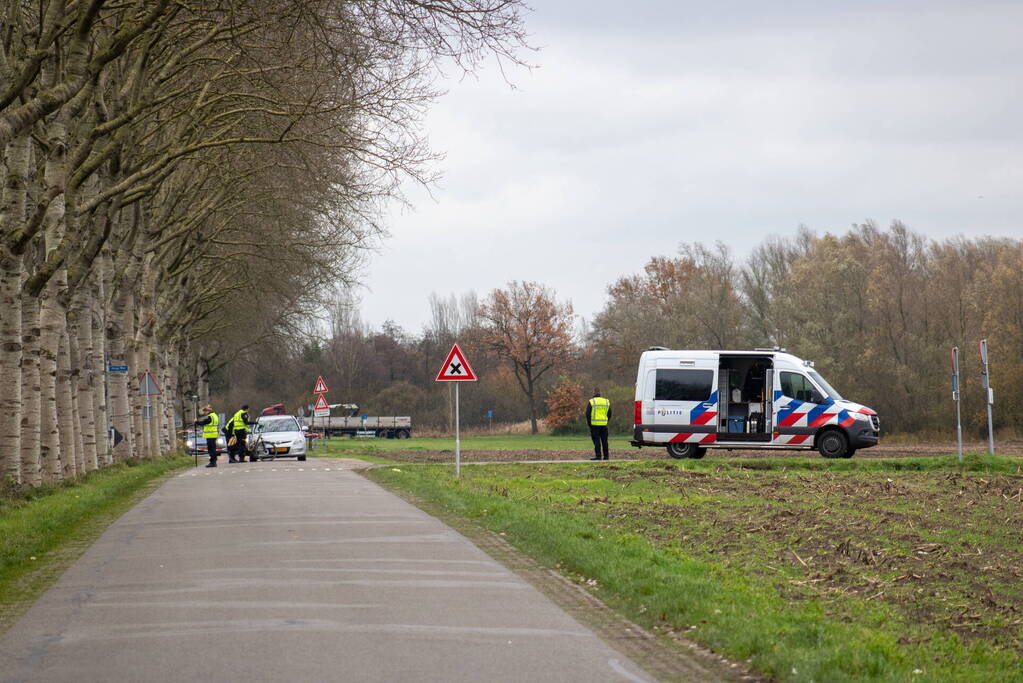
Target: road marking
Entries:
(623, 672)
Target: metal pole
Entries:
(955, 397)
(985, 376)
(195, 428)
(959, 431)
(458, 441)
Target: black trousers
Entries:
(211, 448)
(599, 435)
(240, 437)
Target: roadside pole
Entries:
(458, 440)
(456, 369)
(320, 408)
(989, 395)
(955, 397)
(195, 427)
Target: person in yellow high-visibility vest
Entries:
(210, 423)
(598, 414)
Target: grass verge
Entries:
(807, 570)
(44, 530)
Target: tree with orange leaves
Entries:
(525, 326)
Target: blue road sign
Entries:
(490, 413)
(117, 368)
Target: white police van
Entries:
(689, 401)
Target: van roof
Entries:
(706, 354)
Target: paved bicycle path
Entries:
(291, 571)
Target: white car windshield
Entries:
(277, 424)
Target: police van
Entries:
(689, 401)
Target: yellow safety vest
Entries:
(599, 408)
(237, 422)
(209, 430)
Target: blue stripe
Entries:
(700, 409)
(817, 412)
(788, 409)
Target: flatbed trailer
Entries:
(379, 427)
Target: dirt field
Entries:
(894, 450)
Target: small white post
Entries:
(458, 440)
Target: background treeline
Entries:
(179, 179)
(878, 310)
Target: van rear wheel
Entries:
(834, 444)
(685, 450)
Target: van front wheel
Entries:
(685, 450)
(834, 444)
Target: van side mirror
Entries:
(305, 428)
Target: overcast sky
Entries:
(648, 124)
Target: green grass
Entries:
(895, 570)
(345, 446)
(43, 530)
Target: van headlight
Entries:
(861, 416)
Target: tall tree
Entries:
(526, 327)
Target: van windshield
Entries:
(823, 384)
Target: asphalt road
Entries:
(291, 571)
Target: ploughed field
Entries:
(904, 567)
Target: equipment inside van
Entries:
(689, 401)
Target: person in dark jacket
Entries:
(210, 423)
(598, 414)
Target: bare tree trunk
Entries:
(101, 397)
(98, 365)
(49, 341)
(31, 461)
(12, 214)
(86, 382)
(120, 406)
(66, 417)
(10, 367)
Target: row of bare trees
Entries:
(179, 178)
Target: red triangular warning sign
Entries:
(456, 368)
(321, 386)
(321, 403)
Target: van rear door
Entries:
(685, 401)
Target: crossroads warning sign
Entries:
(456, 368)
(321, 404)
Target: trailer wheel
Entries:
(403, 434)
(834, 444)
(685, 450)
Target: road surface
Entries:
(290, 571)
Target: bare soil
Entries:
(941, 548)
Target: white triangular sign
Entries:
(321, 403)
(456, 368)
(321, 386)
(148, 385)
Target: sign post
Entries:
(321, 408)
(989, 395)
(955, 397)
(456, 369)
